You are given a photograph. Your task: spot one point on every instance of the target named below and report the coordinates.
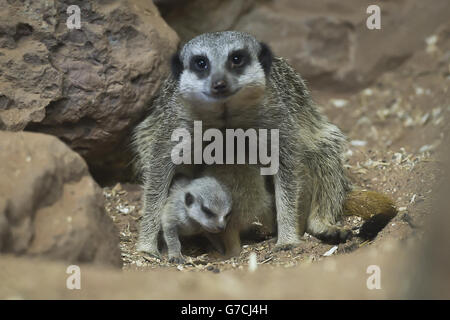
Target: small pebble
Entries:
(339, 103)
(252, 262)
(330, 252)
(358, 143)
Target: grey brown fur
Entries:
(310, 186)
(253, 204)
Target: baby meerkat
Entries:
(198, 206)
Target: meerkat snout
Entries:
(219, 86)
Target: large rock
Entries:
(87, 86)
(49, 204)
(193, 17)
(326, 41)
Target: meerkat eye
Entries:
(208, 212)
(188, 199)
(200, 63)
(238, 59)
(228, 215)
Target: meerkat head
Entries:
(215, 68)
(208, 203)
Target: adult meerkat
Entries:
(230, 80)
(198, 206)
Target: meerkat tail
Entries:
(375, 208)
(367, 204)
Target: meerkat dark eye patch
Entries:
(176, 66)
(265, 58)
(207, 212)
(200, 65)
(238, 60)
(188, 199)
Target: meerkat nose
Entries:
(219, 86)
(221, 226)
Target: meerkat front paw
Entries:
(340, 235)
(148, 249)
(327, 232)
(177, 259)
(335, 235)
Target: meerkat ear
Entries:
(265, 57)
(176, 65)
(188, 199)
